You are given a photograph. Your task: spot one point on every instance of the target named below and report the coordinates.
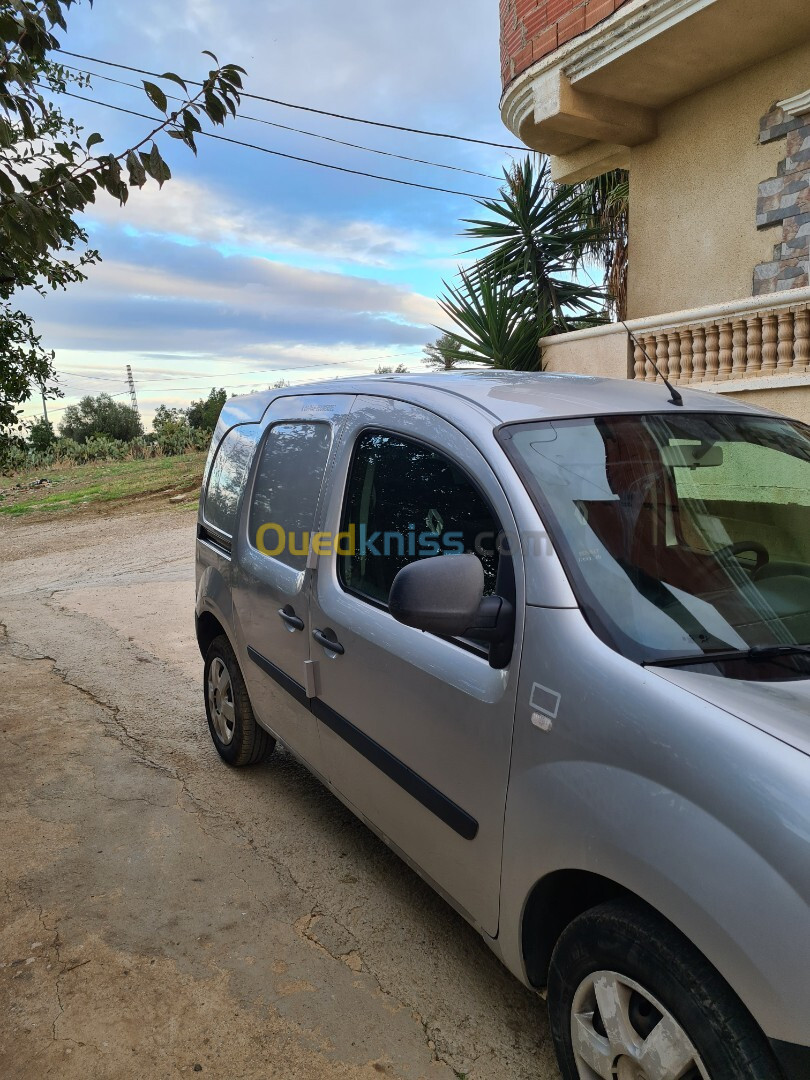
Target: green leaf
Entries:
(137, 173)
(190, 121)
(6, 133)
(94, 140)
(230, 76)
(155, 95)
(214, 109)
(157, 167)
(155, 160)
(170, 75)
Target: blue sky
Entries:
(247, 268)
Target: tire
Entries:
(664, 985)
(236, 735)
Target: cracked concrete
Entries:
(161, 914)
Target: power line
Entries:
(99, 378)
(215, 377)
(59, 408)
(303, 131)
(243, 386)
(307, 108)
(177, 389)
(233, 386)
(278, 153)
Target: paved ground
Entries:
(161, 914)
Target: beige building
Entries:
(707, 103)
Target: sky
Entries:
(247, 268)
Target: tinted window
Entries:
(228, 475)
(285, 494)
(405, 501)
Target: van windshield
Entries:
(683, 534)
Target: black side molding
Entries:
(421, 790)
(295, 689)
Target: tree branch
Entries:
(100, 162)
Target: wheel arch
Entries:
(553, 903)
(208, 628)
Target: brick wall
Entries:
(531, 29)
(784, 203)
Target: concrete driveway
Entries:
(161, 914)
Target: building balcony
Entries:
(586, 80)
(755, 348)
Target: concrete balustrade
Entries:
(757, 347)
(736, 346)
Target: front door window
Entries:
(406, 501)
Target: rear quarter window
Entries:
(226, 480)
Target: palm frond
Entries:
(491, 323)
(537, 233)
(606, 209)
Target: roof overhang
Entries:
(599, 94)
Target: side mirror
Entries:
(441, 595)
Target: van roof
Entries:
(503, 396)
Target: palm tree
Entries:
(524, 285)
(606, 201)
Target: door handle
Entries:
(327, 640)
(288, 616)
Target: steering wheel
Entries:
(762, 554)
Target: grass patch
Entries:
(73, 487)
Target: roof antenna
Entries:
(676, 398)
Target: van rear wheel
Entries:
(239, 740)
(630, 998)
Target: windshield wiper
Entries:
(756, 652)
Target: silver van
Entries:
(549, 637)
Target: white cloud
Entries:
(195, 300)
(399, 61)
(261, 287)
(196, 211)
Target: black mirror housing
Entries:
(440, 595)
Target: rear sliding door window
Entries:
(286, 490)
(227, 477)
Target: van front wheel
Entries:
(236, 735)
(631, 999)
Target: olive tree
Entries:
(100, 416)
(202, 415)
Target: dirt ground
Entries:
(162, 915)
